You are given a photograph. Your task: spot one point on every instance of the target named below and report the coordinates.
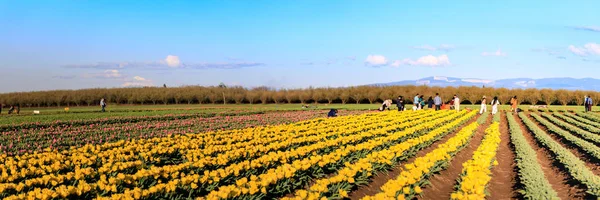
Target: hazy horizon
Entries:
(47, 45)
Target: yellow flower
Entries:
(343, 193)
(406, 190)
(418, 189)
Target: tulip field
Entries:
(359, 154)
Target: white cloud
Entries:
(428, 60)
(446, 47)
(497, 53)
(173, 61)
(442, 47)
(376, 60)
(107, 74)
(588, 28)
(587, 49)
(138, 81)
(425, 47)
(170, 62)
(112, 73)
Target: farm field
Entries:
(286, 152)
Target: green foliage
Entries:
(575, 166)
(578, 125)
(482, 118)
(531, 176)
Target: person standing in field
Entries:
(103, 104)
(437, 101)
(421, 102)
(430, 102)
(483, 105)
(514, 102)
(590, 104)
(585, 103)
(400, 103)
(416, 102)
(456, 103)
(495, 104)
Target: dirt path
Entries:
(590, 162)
(442, 185)
(502, 185)
(557, 177)
(378, 180)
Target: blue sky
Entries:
(291, 44)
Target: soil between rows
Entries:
(380, 179)
(558, 178)
(590, 162)
(503, 183)
(442, 185)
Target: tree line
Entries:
(264, 95)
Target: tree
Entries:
(562, 96)
(344, 95)
(373, 94)
(357, 94)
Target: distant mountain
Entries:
(551, 83)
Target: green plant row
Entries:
(588, 116)
(580, 125)
(482, 119)
(584, 145)
(531, 176)
(496, 118)
(570, 132)
(575, 167)
(582, 119)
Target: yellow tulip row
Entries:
(365, 165)
(117, 159)
(110, 184)
(406, 184)
(263, 181)
(285, 156)
(476, 172)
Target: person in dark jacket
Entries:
(590, 103)
(332, 113)
(400, 103)
(430, 102)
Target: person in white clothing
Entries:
(495, 104)
(456, 103)
(483, 106)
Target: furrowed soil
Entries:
(502, 185)
(442, 185)
(381, 178)
(558, 178)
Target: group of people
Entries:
(495, 102)
(12, 109)
(588, 103)
(420, 103)
(436, 102)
